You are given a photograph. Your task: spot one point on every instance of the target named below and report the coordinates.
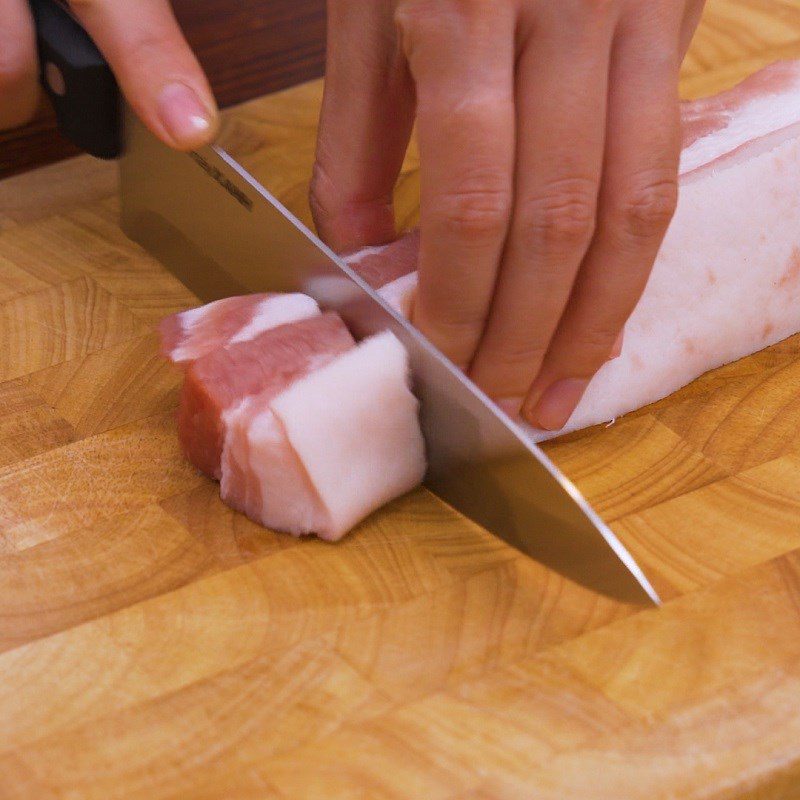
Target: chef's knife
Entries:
(222, 233)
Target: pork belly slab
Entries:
(307, 431)
(726, 282)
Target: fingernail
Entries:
(616, 350)
(187, 120)
(557, 403)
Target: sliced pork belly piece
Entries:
(194, 333)
(726, 282)
(224, 377)
(391, 269)
(381, 265)
(330, 449)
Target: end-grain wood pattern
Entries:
(154, 644)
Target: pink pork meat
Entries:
(224, 377)
(281, 405)
(391, 270)
(381, 265)
(726, 282)
(194, 333)
(330, 448)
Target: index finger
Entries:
(462, 60)
(155, 67)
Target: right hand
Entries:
(156, 70)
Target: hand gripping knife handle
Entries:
(78, 81)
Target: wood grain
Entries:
(154, 644)
(247, 50)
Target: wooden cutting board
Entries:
(153, 644)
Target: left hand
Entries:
(549, 138)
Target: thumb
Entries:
(365, 125)
(156, 69)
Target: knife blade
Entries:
(222, 233)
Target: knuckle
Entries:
(153, 41)
(562, 217)
(458, 326)
(474, 214)
(456, 336)
(646, 210)
(595, 341)
(318, 194)
(149, 42)
(329, 199)
(521, 353)
(451, 317)
(473, 110)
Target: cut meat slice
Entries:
(726, 282)
(224, 377)
(306, 432)
(391, 269)
(379, 266)
(194, 333)
(331, 448)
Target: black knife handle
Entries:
(78, 81)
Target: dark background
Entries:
(248, 48)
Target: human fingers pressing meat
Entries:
(549, 141)
(561, 87)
